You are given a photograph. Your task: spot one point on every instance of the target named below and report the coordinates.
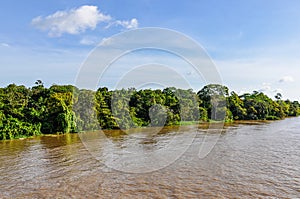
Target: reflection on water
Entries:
(249, 161)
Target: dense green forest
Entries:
(64, 108)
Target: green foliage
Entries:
(236, 106)
(203, 114)
(120, 108)
(189, 104)
(16, 114)
(213, 98)
(86, 110)
(103, 109)
(59, 116)
(63, 109)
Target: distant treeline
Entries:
(64, 108)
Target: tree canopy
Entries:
(64, 108)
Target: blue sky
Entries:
(254, 44)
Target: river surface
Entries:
(255, 160)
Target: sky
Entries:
(253, 44)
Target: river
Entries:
(254, 160)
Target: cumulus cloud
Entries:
(72, 21)
(286, 79)
(133, 23)
(77, 20)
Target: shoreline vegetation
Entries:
(26, 112)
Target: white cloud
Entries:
(266, 87)
(77, 20)
(73, 21)
(4, 44)
(89, 41)
(132, 24)
(106, 41)
(278, 90)
(286, 79)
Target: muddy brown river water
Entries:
(259, 160)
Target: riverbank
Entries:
(202, 125)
